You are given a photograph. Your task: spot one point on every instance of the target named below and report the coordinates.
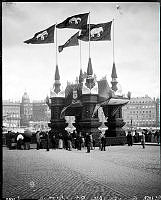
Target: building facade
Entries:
(142, 112)
(25, 110)
(11, 114)
(34, 114)
(40, 111)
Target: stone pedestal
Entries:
(85, 122)
(56, 124)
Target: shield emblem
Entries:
(75, 94)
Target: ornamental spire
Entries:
(114, 76)
(90, 80)
(57, 76)
(57, 81)
(81, 76)
(89, 69)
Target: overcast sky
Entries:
(31, 67)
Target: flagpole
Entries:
(113, 43)
(56, 45)
(80, 55)
(89, 34)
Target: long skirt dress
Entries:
(60, 143)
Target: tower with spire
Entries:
(85, 122)
(56, 104)
(25, 110)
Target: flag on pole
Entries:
(98, 32)
(43, 37)
(75, 21)
(73, 41)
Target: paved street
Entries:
(120, 172)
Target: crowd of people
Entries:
(50, 140)
(146, 136)
(70, 140)
(18, 140)
(73, 140)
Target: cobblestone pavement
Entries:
(120, 172)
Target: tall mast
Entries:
(89, 34)
(56, 44)
(80, 55)
(114, 74)
(113, 43)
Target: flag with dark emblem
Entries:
(75, 21)
(73, 41)
(98, 32)
(43, 37)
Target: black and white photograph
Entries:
(81, 101)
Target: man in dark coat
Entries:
(69, 141)
(74, 136)
(53, 141)
(27, 141)
(38, 140)
(79, 141)
(103, 143)
(129, 139)
(8, 139)
(88, 142)
(66, 135)
(47, 140)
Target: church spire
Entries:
(114, 76)
(57, 81)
